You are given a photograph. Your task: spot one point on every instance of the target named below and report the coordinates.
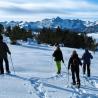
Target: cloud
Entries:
(71, 8)
(50, 7)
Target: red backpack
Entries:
(75, 61)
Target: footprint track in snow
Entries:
(39, 88)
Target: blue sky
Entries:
(33, 10)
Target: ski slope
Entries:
(35, 75)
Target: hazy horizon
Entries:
(19, 20)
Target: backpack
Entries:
(75, 61)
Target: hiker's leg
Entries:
(77, 75)
(58, 64)
(73, 76)
(84, 68)
(88, 70)
(1, 66)
(6, 64)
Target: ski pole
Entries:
(65, 65)
(68, 79)
(68, 76)
(12, 64)
(83, 76)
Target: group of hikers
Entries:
(73, 63)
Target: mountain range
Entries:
(75, 24)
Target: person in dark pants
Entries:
(3, 56)
(58, 58)
(73, 64)
(86, 62)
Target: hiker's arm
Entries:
(62, 57)
(91, 56)
(69, 63)
(80, 62)
(53, 54)
(7, 49)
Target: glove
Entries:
(63, 61)
(9, 52)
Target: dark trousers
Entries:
(75, 73)
(6, 65)
(86, 67)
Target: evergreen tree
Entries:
(66, 37)
(1, 28)
(18, 33)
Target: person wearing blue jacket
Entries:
(87, 56)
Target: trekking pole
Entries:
(12, 64)
(68, 76)
(67, 73)
(83, 76)
(65, 65)
(68, 79)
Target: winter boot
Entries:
(78, 84)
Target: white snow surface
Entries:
(35, 75)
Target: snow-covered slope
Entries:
(35, 75)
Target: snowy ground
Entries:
(35, 75)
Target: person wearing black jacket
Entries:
(3, 56)
(87, 62)
(73, 64)
(58, 58)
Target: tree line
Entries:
(16, 33)
(66, 38)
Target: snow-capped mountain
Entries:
(92, 29)
(75, 24)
